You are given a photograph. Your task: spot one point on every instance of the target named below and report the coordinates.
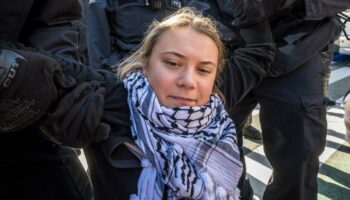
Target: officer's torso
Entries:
(129, 19)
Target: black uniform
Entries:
(292, 108)
(33, 167)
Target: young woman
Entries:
(171, 137)
(178, 121)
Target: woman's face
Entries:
(182, 67)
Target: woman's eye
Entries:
(171, 63)
(204, 70)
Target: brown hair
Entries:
(182, 18)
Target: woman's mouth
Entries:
(183, 101)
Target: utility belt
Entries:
(168, 4)
(155, 4)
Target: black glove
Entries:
(76, 120)
(29, 84)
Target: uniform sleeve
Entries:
(49, 26)
(249, 64)
(98, 33)
(299, 48)
(54, 28)
(317, 10)
(245, 70)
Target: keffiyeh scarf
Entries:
(190, 152)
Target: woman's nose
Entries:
(187, 79)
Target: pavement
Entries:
(334, 175)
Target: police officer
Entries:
(292, 109)
(32, 166)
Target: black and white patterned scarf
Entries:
(192, 150)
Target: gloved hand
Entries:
(85, 101)
(250, 12)
(29, 84)
(76, 119)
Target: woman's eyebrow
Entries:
(208, 63)
(182, 56)
(173, 53)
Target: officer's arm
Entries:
(99, 41)
(249, 64)
(54, 28)
(65, 95)
(29, 84)
(293, 55)
(317, 10)
(249, 12)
